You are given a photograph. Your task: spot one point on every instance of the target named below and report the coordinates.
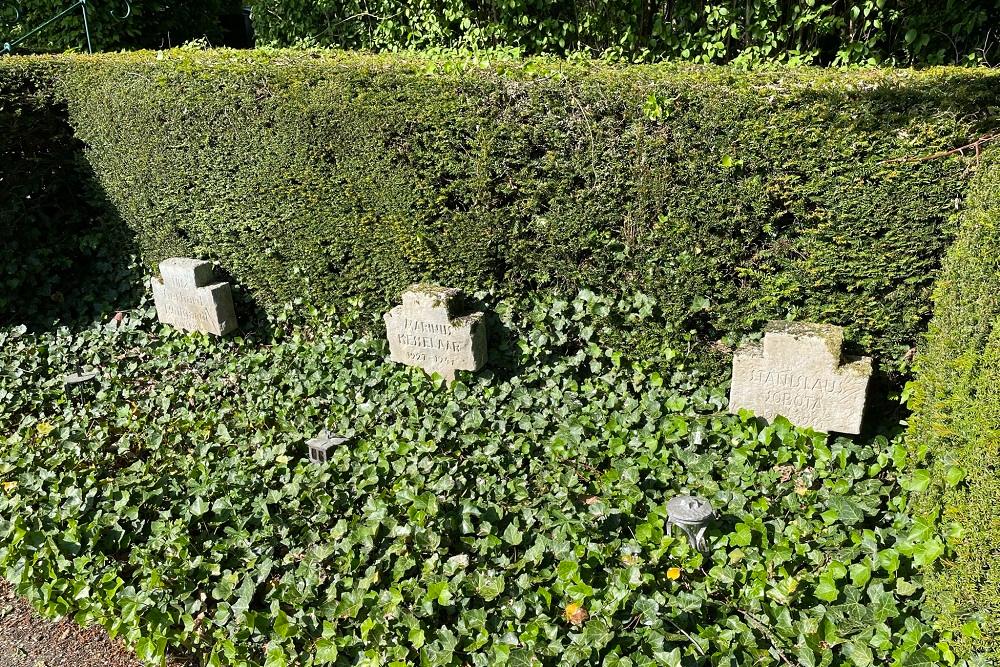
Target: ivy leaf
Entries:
(921, 658)
(827, 590)
(198, 507)
(489, 587)
(917, 481)
(326, 651)
(596, 634)
(648, 610)
(883, 603)
(848, 511)
(522, 658)
(928, 551)
(276, 657)
(283, 627)
(859, 653)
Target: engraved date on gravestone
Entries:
(186, 297)
(798, 371)
(427, 331)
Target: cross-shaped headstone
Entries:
(427, 331)
(186, 297)
(798, 371)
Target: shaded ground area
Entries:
(27, 640)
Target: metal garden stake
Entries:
(80, 378)
(82, 4)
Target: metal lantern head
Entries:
(321, 444)
(79, 378)
(692, 515)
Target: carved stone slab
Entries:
(186, 297)
(797, 371)
(426, 331)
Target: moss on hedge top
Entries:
(730, 197)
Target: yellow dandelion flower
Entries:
(575, 613)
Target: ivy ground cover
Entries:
(516, 517)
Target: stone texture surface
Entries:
(426, 331)
(186, 297)
(186, 272)
(797, 371)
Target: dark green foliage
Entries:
(795, 31)
(470, 525)
(152, 24)
(56, 229)
(730, 198)
(957, 416)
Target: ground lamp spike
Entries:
(692, 515)
(321, 444)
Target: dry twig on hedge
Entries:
(975, 145)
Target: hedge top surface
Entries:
(843, 79)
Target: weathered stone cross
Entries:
(797, 372)
(426, 331)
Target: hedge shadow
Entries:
(67, 256)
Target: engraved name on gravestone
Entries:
(426, 331)
(798, 372)
(186, 297)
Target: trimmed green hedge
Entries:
(729, 197)
(56, 227)
(957, 417)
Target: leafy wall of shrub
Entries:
(57, 230)
(730, 198)
(957, 416)
(151, 24)
(869, 31)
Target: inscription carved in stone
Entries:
(186, 297)
(427, 331)
(798, 372)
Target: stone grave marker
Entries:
(798, 371)
(186, 297)
(427, 331)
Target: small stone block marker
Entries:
(186, 297)
(321, 445)
(426, 331)
(798, 371)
